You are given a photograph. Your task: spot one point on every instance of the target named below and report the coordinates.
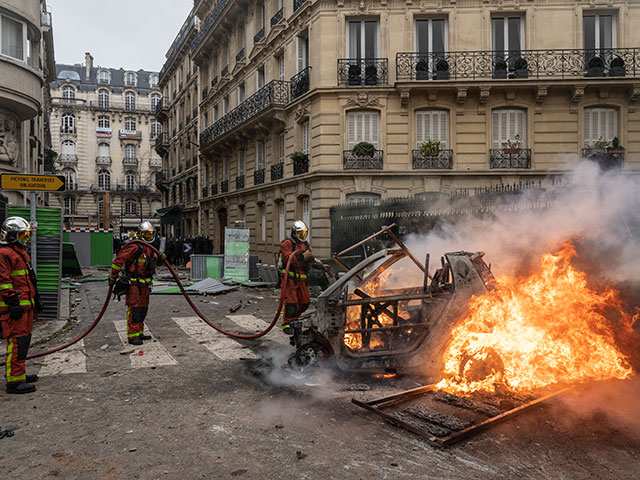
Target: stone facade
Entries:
(451, 95)
(26, 67)
(103, 132)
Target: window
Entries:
(216, 113)
(305, 137)
(281, 221)
(241, 92)
(155, 99)
(130, 207)
(69, 206)
(281, 67)
(129, 101)
(103, 98)
(130, 123)
(153, 80)
(130, 152)
(302, 52)
(156, 129)
(281, 147)
(104, 150)
(507, 123)
(225, 105)
(104, 121)
(306, 214)
(600, 123)
(598, 36)
(130, 180)
(241, 163)
(431, 37)
(261, 15)
(130, 79)
(100, 206)
(259, 155)
(68, 92)
(69, 178)
(432, 125)
(507, 36)
(225, 168)
(363, 197)
(263, 221)
(103, 76)
(68, 147)
(104, 180)
(14, 38)
(68, 123)
(205, 120)
(363, 39)
(260, 78)
(363, 126)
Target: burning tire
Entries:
(481, 365)
(311, 354)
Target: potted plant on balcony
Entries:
(371, 75)
(615, 147)
(499, 68)
(442, 69)
(298, 157)
(617, 68)
(363, 149)
(521, 68)
(422, 69)
(595, 67)
(354, 74)
(430, 148)
(512, 146)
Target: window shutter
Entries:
(375, 129)
(306, 214)
(611, 124)
(351, 129)
(588, 113)
(443, 134)
(419, 128)
(521, 127)
(305, 137)
(281, 147)
(302, 53)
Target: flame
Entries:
(383, 375)
(532, 332)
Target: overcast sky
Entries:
(132, 34)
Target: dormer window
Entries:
(103, 76)
(153, 80)
(130, 79)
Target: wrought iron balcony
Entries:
(225, 71)
(275, 93)
(162, 140)
(301, 164)
(439, 160)
(277, 171)
(120, 106)
(158, 107)
(68, 159)
(356, 72)
(209, 22)
(353, 162)
(155, 162)
(214, 189)
(224, 186)
(539, 64)
(258, 36)
(510, 157)
(239, 182)
(103, 160)
(300, 83)
(607, 158)
(240, 55)
(130, 161)
(298, 3)
(258, 177)
(277, 17)
(214, 81)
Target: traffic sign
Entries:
(42, 183)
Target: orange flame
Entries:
(537, 331)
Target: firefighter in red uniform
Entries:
(18, 301)
(297, 298)
(137, 263)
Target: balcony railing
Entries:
(224, 186)
(607, 158)
(120, 106)
(209, 22)
(68, 159)
(239, 182)
(473, 65)
(240, 55)
(277, 17)
(214, 81)
(103, 160)
(300, 83)
(158, 107)
(301, 164)
(440, 160)
(155, 162)
(356, 72)
(277, 171)
(131, 134)
(258, 177)
(225, 71)
(258, 36)
(67, 101)
(214, 189)
(353, 162)
(130, 161)
(298, 3)
(510, 158)
(161, 140)
(275, 93)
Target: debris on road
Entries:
(8, 432)
(235, 307)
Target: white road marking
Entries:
(225, 348)
(252, 324)
(70, 360)
(153, 353)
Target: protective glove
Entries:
(327, 268)
(307, 256)
(112, 281)
(16, 311)
(162, 257)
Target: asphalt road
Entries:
(195, 405)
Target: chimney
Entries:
(88, 60)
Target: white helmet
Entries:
(299, 231)
(146, 232)
(15, 229)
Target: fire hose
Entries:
(191, 304)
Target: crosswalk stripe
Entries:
(224, 348)
(70, 360)
(253, 324)
(153, 353)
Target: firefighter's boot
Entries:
(20, 387)
(145, 337)
(135, 341)
(32, 378)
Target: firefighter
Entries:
(297, 298)
(18, 302)
(136, 262)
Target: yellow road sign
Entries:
(43, 183)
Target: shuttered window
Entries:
(306, 214)
(600, 123)
(302, 51)
(507, 123)
(363, 126)
(281, 220)
(432, 125)
(241, 163)
(281, 147)
(259, 155)
(305, 137)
